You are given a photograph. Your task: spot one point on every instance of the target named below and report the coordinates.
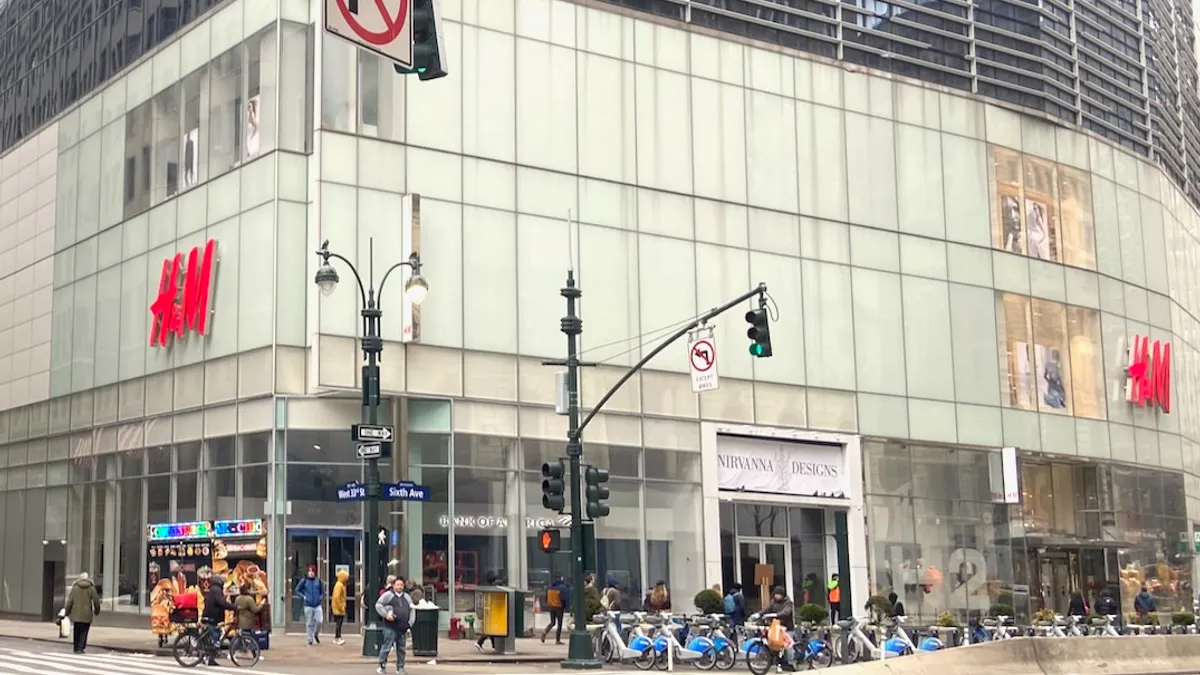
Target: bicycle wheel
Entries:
(760, 660)
(726, 657)
(243, 651)
(647, 659)
(708, 658)
(188, 649)
(605, 653)
(849, 651)
(822, 659)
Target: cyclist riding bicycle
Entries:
(785, 612)
(215, 606)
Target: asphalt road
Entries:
(31, 657)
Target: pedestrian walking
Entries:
(337, 606)
(312, 592)
(558, 601)
(83, 604)
(394, 608)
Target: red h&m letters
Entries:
(1149, 373)
(172, 314)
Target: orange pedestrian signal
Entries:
(550, 541)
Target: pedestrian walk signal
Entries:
(550, 541)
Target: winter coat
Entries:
(216, 604)
(1077, 606)
(312, 591)
(564, 595)
(83, 602)
(337, 602)
(784, 610)
(1144, 603)
(246, 608)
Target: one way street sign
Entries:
(368, 450)
(361, 433)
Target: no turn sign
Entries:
(381, 26)
(702, 363)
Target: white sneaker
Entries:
(380, 670)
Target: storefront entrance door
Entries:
(753, 552)
(329, 551)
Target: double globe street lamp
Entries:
(415, 290)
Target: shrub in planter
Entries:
(879, 607)
(947, 620)
(1000, 609)
(811, 613)
(709, 601)
(1183, 618)
(1151, 619)
(1044, 616)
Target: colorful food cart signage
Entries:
(179, 531)
(239, 528)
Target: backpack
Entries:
(730, 604)
(554, 598)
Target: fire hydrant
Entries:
(455, 628)
(470, 619)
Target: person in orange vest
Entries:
(835, 598)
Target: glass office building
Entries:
(970, 400)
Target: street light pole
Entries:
(580, 655)
(372, 347)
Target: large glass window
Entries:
(167, 124)
(674, 536)
(1078, 228)
(1015, 332)
(1053, 375)
(139, 136)
(1087, 362)
(226, 106)
(131, 536)
(1041, 210)
(1008, 229)
(194, 142)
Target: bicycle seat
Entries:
(600, 618)
(654, 620)
(702, 621)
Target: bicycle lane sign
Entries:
(381, 26)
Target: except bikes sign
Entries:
(781, 467)
(1149, 373)
(176, 311)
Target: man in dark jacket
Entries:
(558, 601)
(215, 606)
(83, 604)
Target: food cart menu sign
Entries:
(178, 561)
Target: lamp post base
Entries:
(372, 639)
(579, 653)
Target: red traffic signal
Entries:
(550, 541)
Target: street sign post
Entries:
(368, 450)
(366, 433)
(381, 26)
(702, 363)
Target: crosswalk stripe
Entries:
(59, 663)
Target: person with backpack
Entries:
(735, 605)
(395, 613)
(558, 601)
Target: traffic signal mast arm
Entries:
(760, 291)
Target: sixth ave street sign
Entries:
(361, 433)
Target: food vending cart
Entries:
(240, 553)
(179, 562)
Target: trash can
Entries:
(425, 632)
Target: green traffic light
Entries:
(756, 350)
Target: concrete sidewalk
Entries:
(291, 648)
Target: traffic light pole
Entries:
(580, 655)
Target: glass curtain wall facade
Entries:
(486, 510)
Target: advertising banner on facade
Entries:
(781, 467)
